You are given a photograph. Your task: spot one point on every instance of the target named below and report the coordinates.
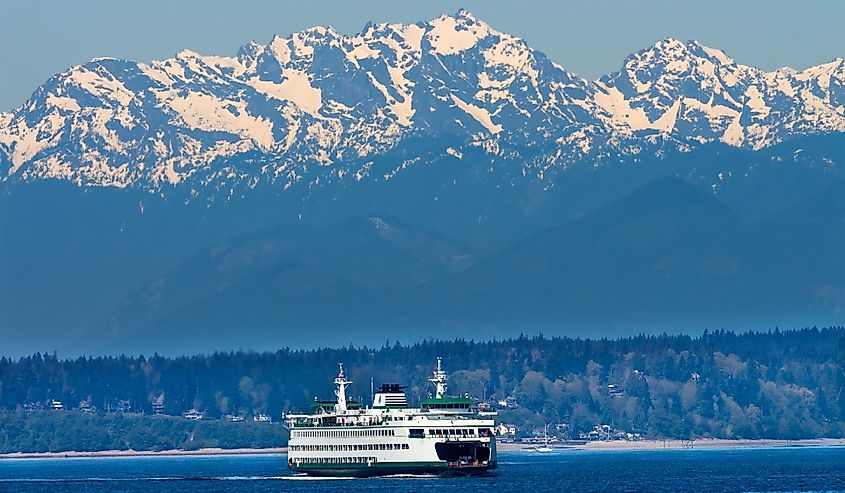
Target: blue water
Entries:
(741, 470)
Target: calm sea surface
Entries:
(806, 469)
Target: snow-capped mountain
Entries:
(319, 106)
(696, 93)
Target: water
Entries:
(805, 469)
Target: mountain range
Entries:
(419, 180)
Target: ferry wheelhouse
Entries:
(344, 438)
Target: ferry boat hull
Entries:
(440, 468)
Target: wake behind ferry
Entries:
(343, 438)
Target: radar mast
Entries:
(342, 382)
(439, 379)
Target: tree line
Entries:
(775, 384)
(48, 431)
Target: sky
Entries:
(41, 38)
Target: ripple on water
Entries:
(749, 470)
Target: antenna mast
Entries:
(342, 382)
(439, 379)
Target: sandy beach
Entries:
(683, 444)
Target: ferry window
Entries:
(416, 433)
(405, 446)
(431, 432)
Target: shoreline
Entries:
(144, 453)
(673, 444)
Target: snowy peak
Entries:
(695, 93)
(448, 35)
(677, 88)
(317, 106)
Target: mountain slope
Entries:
(294, 273)
(666, 257)
(319, 107)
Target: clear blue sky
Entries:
(44, 37)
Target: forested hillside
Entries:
(776, 384)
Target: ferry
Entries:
(341, 437)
